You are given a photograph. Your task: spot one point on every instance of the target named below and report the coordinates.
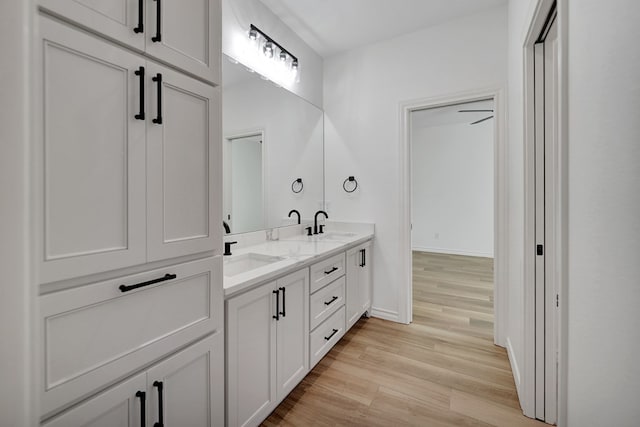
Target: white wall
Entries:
(520, 12)
(604, 213)
(362, 96)
(292, 147)
(238, 15)
(17, 294)
(452, 185)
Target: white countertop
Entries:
(297, 250)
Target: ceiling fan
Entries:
(478, 111)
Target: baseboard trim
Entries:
(452, 252)
(381, 313)
(514, 368)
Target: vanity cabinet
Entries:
(359, 283)
(267, 347)
(119, 130)
(175, 392)
(185, 34)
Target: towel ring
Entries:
(350, 179)
(294, 186)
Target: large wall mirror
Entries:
(273, 155)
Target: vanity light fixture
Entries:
(270, 45)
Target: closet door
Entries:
(90, 156)
(186, 34)
(122, 20)
(184, 165)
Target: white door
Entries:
(546, 221)
(186, 33)
(121, 406)
(122, 20)
(247, 186)
(187, 388)
(90, 155)
(184, 175)
(251, 356)
(292, 331)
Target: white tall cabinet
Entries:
(127, 220)
(359, 282)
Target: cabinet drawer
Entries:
(326, 301)
(325, 336)
(326, 271)
(96, 334)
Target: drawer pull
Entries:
(335, 331)
(332, 300)
(331, 271)
(277, 292)
(158, 36)
(142, 395)
(125, 288)
(284, 302)
(160, 422)
(140, 27)
(140, 73)
(158, 79)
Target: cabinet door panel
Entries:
(192, 386)
(366, 280)
(184, 167)
(354, 302)
(113, 18)
(91, 156)
(190, 33)
(293, 331)
(251, 356)
(116, 407)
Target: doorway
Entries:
(493, 100)
(244, 201)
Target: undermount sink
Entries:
(239, 264)
(336, 235)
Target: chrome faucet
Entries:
(319, 230)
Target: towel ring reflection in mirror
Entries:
(348, 180)
(297, 185)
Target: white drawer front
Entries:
(326, 301)
(325, 336)
(97, 333)
(326, 271)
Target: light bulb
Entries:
(283, 56)
(253, 34)
(268, 49)
(294, 65)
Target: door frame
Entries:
(500, 214)
(536, 23)
(227, 139)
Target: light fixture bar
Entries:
(269, 39)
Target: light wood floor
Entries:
(442, 370)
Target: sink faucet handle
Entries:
(321, 228)
(227, 248)
(309, 232)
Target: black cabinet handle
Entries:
(335, 331)
(127, 288)
(331, 271)
(331, 301)
(140, 72)
(277, 316)
(160, 422)
(158, 36)
(361, 257)
(143, 396)
(284, 303)
(158, 79)
(364, 257)
(140, 27)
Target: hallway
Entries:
(442, 370)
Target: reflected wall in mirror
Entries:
(271, 139)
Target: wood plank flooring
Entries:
(441, 370)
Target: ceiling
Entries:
(450, 114)
(334, 26)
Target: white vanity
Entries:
(293, 301)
